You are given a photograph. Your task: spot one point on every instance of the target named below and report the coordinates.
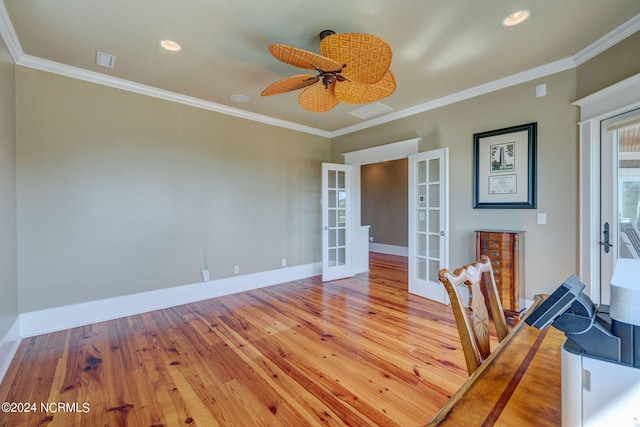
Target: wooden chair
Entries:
(473, 326)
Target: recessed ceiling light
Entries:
(170, 45)
(516, 18)
(239, 98)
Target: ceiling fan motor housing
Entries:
(326, 33)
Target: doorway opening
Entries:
(358, 160)
(427, 213)
(385, 205)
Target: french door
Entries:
(428, 223)
(336, 221)
(619, 194)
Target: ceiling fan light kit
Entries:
(353, 68)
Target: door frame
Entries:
(388, 152)
(357, 159)
(381, 153)
(614, 100)
(611, 188)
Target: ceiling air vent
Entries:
(105, 59)
(370, 110)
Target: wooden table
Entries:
(518, 385)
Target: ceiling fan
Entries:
(353, 68)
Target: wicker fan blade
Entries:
(361, 93)
(290, 83)
(318, 99)
(367, 57)
(302, 58)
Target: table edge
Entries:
(442, 414)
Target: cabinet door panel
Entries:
(503, 249)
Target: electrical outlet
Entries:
(205, 274)
(236, 269)
(284, 262)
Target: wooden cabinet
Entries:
(505, 249)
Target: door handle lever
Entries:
(605, 237)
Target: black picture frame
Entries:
(504, 168)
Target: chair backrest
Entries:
(473, 326)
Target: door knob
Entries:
(605, 238)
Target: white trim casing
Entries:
(589, 207)
(383, 248)
(8, 346)
(60, 318)
(380, 153)
(385, 152)
(610, 101)
(614, 100)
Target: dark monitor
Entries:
(556, 304)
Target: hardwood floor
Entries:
(358, 351)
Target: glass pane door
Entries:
(620, 195)
(337, 218)
(428, 240)
(336, 233)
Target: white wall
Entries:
(551, 249)
(121, 193)
(8, 238)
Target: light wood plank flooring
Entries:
(358, 351)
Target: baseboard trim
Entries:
(71, 316)
(389, 249)
(8, 346)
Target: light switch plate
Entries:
(542, 218)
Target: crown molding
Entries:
(512, 80)
(114, 82)
(8, 34)
(610, 39)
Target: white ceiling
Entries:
(444, 50)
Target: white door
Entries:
(619, 194)
(428, 223)
(336, 221)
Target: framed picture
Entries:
(504, 168)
